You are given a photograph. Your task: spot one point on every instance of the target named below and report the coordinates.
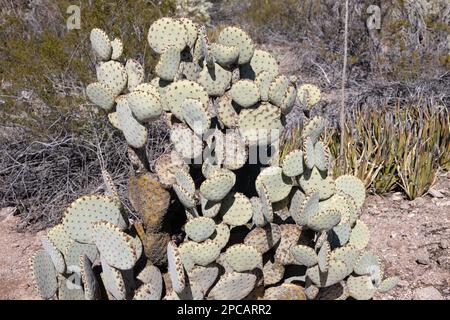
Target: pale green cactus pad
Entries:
(54, 253)
(234, 150)
(117, 49)
(236, 209)
(113, 281)
(320, 156)
(277, 184)
(304, 255)
(260, 126)
(101, 95)
(245, 93)
(205, 252)
(191, 29)
(216, 187)
(263, 81)
(151, 274)
(196, 116)
(341, 234)
(368, 264)
(243, 257)
(203, 277)
(144, 106)
(175, 93)
(353, 187)
(59, 237)
(146, 292)
(266, 205)
(360, 235)
(361, 288)
(273, 273)
(135, 74)
(258, 217)
(135, 133)
(167, 32)
(175, 267)
(347, 254)
(309, 208)
(288, 101)
(186, 198)
(225, 55)
(233, 36)
(263, 239)
(323, 256)
(290, 234)
(75, 249)
(261, 61)
(233, 286)
(337, 271)
(200, 229)
(312, 181)
(185, 250)
(324, 220)
(277, 89)
(113, 74)
(44, 274)
(293, 163)
(147, 87)
(84, 211)
(314, 128)
(308, 95)
(388, 284)
(222, 235)
(296, 206)
(309, 152)
(101, 44)
(168, 63)
(215, 80)
(115, 246)
(90, 284)
(186, 142)
(184, 179)
(209, 208)
(226, 112)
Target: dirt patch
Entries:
(16, 249)
(412, 237)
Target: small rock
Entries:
(423, 257)
(403, 283)
(444, 261)
(428, 293)
(397, 196)
(444, 244)
(404, 206)
(435, 193)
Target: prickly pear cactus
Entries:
(222, 219)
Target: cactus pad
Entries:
(101, 94)
(314, 128)
(245, 93)
(242, 257)
(324, 220)
(135, 74)
(200, 229)
(323, 256)
(277, 184)
(44, 274)
(54, 253)
(226, 112)
(215, 80)
(360, 235)
(101, 44)
(233, 36)
(308, 95)
(168, 63)
(353, 187)
(290, 234)
(167, 165)
(304, 255)
(113, 74)
(90, 284)
(175, 93)
(225, 55)
(337, 271)
(205, 252)
(361, 288)
(233, 286)
(186, 142)
(312, 181)
(273, 273)
(167, 32)
(209, 208)
(277, 89)
(144, 106)
(261, 61)
(293, 163)
(236, 209)
(115, 246)
(59, 237)
(195, 115)
(218, 185)
(186, 198)
(388, 284)
(203, 277)
(117, 49)
(222, 235)
(258, 216)
(175, 267)
(135, 133)
(80, 215)
(263, 81)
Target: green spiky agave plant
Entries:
(219, 100)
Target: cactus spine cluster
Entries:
(248, 224)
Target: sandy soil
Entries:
(412, 237)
